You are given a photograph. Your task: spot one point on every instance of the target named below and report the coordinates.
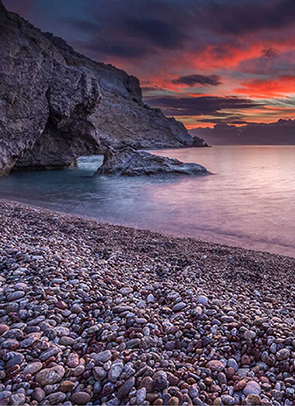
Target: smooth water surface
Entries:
(248, 202)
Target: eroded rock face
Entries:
(129, 162)
(56, 104)
(122, 117)
(44, 103)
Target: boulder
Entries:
(130, 162)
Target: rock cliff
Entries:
(129, 162)
(56, 104)
(44, 102)
(122, 117)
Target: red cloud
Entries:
(277, 87)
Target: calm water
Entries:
(248, 202)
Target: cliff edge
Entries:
(56, 104)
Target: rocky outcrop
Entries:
(199, 142)
(56, 105)
(122, 117)
(44, 102)
(129, 162)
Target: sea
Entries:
(247, 201)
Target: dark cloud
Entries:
(270, 63)
(163, 24)
(201, 80)
(270, 53)
(159, 33)
(195, 106)
(118, 49)
(152, 89)
(226, 119)
(238, 17)
(280, 133)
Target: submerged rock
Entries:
(129, 162)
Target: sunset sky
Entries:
(202, 61)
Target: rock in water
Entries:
(51, 109)
(129, 162)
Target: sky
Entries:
(205, 62)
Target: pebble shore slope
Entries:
(92, 313)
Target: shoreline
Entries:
(119, 315)
(155, 231)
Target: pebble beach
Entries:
(98, 314)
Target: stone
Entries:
(202, 300)
(283, 354)
(141, 395)
(79, 370)
(252, 388)
(80, 398)
(54, 398)
(133, 343)
(10, 344)
(38, 395)
(97, 387)
(172, 379)
(215, 365)
(67, 341)
(127, 161)
(15, 295)
(17, 399)
(49, 376)
(194, 391)
(150, 298)
(173, 401)
(228, 400)
(15, 333)
(102, 356)
(160, 381)
(221, 377)
(99, 373)
(249, 334)
(73, 361)
(245, 360)
(66, 386)
(147, 342)
(178, 306)
(124, 389)
(232, 363)
(3, 329)
(115, 371)
(76, 308)
(5, 394)
(240, 385)
(253, 400)
(50, 352)
(14, 358)
(147, 383)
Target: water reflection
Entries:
(249, 202)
